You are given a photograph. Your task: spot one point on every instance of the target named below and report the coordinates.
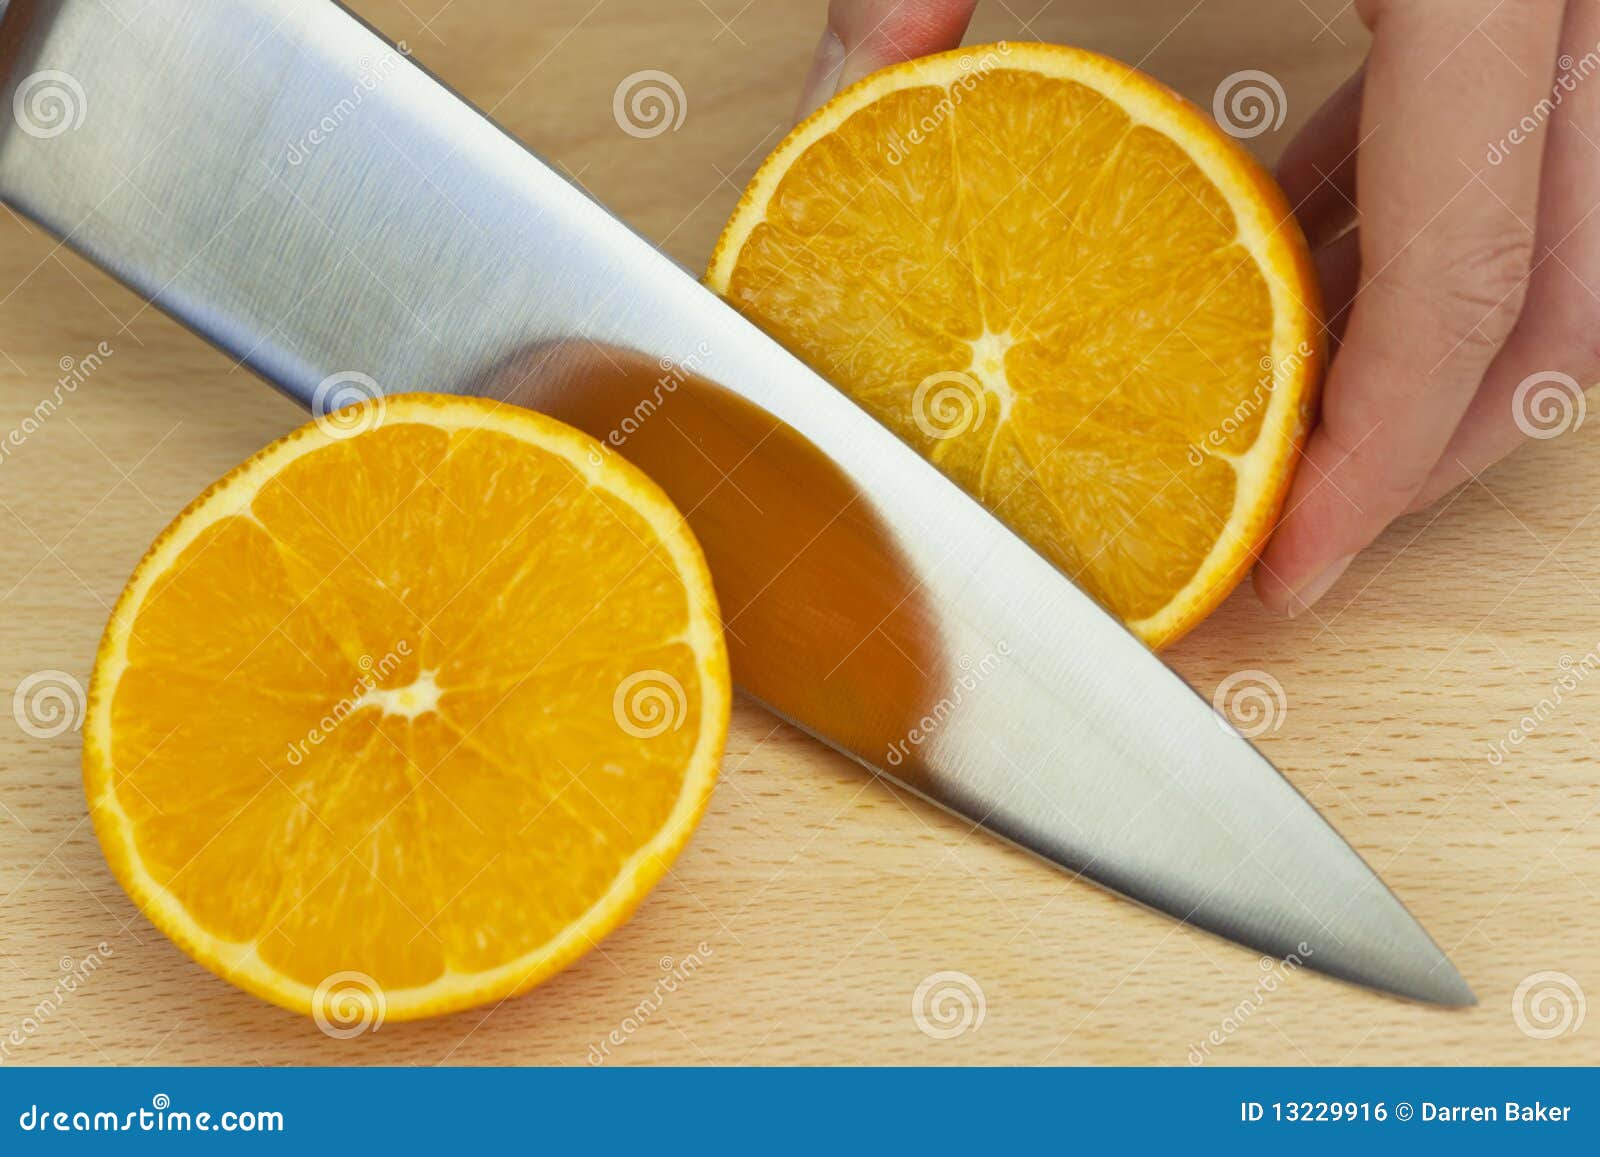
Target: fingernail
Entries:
(1308, 593)
(823, 79)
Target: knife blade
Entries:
(299, 192)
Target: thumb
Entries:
(865, 35)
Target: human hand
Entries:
(1456, 258)
(863, 36)
(1468, 270)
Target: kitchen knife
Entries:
(301, 193)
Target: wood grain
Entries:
(821, 897)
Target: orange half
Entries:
(1064, 286)
(408, 711)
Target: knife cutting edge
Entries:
(299, 192)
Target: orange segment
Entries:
(417, 714)
(1065, 287)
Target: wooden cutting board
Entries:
(814, 902)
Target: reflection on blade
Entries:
(958, 662)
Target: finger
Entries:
(1533, 388)
(1445, 252)
(1339, 272)
(1318, 168)
(865, 35)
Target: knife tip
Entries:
(1401, 961)
(1451, 989)
(1439, 985)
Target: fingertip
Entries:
(887, 31)
(865, 35)
(1271, 590)
(823, 78)
(1318, 536)
(1292, 601)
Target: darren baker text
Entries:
(1512, 1111)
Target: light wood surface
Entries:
(823, 898)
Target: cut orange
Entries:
(1063, 285)
(408, 711)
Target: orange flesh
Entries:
(1043, 295)
(369, 720)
